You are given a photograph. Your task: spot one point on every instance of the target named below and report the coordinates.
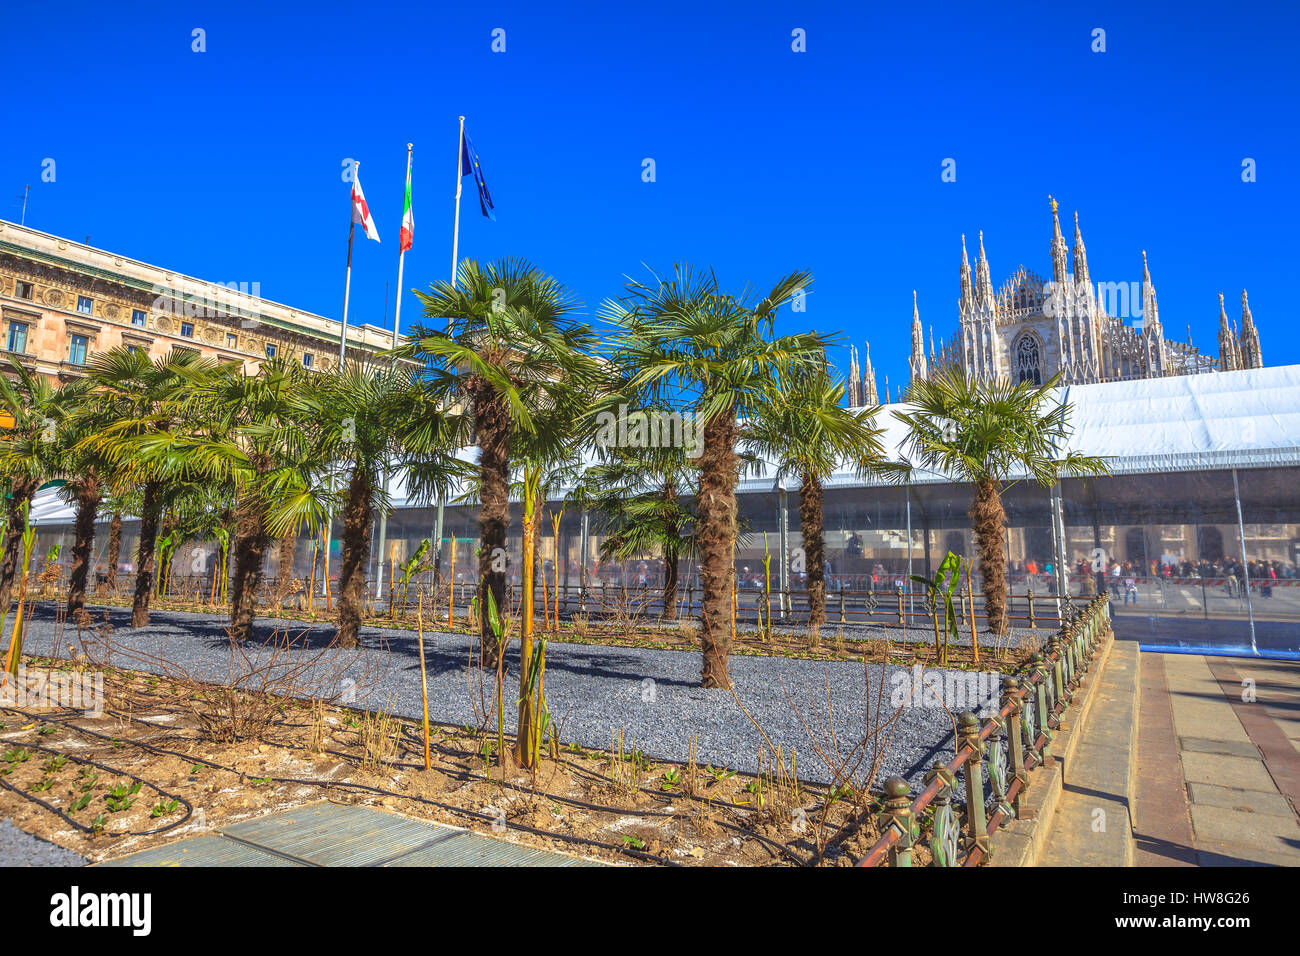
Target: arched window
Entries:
(1028, 368)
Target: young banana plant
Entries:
(940, 589)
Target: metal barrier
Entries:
(638, 603)
(1005, 749)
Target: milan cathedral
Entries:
(1033, 328)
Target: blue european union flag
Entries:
(470, 164)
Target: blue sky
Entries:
(226, 164)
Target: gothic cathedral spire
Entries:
(967, 302)
(1058, 249)
(868, 391)
(918, 343)
(1251, 356)
(1153, 331)
(1081, 276)
(983, 282)
(1227, 353)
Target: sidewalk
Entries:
(331, 834)
(1218, 777)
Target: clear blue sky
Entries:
(226, 164)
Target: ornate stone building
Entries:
(1032, 328)
(62, 301)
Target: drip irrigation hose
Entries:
(327, 784)
(408, 731)
(189, 808)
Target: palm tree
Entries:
(639, 498)
(716, 353)
(29, 454)
(367, 419)
(510, 346)
(117, 503)
(147, 405)
(259, 437)
(87, 477)
(806, 432)
(989, 433)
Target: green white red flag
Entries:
(408, 218)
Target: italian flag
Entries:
(408, 219)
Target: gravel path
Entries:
(20, 848)
(652, 695)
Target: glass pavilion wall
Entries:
(1182, 564)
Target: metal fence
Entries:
(995, 759)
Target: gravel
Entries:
(652, 695)
(20, 848)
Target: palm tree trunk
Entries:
(114, 550)
(716, 528)
(672, 568)
(144, 555)
(251, 540)
(21, 489)
(84, 532)
(357, 520)
(285, 551)
(169, 524)
(492, 422)
(989, 522)
(812, 522)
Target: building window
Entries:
(137, 317)
(307, 359)
(77, 349)
(187, 330)
(17, 337)
(270, 350)
(133, 349)
(232, 340)
(23, 290)
(1028, 368)
(85, 305)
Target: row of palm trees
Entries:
(503, 360)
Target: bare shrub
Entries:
(245, 702)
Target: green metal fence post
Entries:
(1015, 742)
(968, 735)
(898, 814)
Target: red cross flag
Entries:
(361, 210)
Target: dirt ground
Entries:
(168, 759)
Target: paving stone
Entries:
(1229, 831)
(207, 850)
(1248, 801)
(1218, 769)
(1233, 748)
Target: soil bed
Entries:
(147, 771)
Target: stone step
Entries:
(1093, 822)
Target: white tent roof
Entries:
(1243, 419)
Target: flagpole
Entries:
(460, 173)
(397, 320)
(347, 285)
(401, 260)
(343, 345)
